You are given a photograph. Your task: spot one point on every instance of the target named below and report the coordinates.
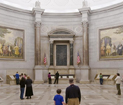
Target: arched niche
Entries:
(61, 49)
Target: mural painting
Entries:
(111, 43)
(11, 43)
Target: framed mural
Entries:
(11, 44)
(111, 43)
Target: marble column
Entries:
(71, 53)
(37, 11)
(51, 53)
(85, 44)
(37, 43)
(85, 70)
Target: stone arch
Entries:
(61, 31)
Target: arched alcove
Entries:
(61, 52)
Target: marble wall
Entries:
(18, 19)
(98, 19)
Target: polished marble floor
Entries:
(92, 94)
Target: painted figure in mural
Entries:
(108, 49)
(113, 50)
(9, 50)
(103, 48)
(119, 49)
(4, 50)
(16, 50)
(1, 52)
(20, 51)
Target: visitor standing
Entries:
(101, 79)
(49, 78)
(29, 91)
(56, 78)
(58, 99)
(17, 78)
(73, 94)
(118, 82)
(25, 76)
(22, 87)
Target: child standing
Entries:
(58, 99)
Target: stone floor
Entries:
(92, 94)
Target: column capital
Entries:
(51, 41)
(85, 11)
(71, 41)
(37, 11)
(38, 24)
(85, 24)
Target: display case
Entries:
(107, 79)
(63, 78)
(1, 80)
(10, 79)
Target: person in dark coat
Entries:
(56, 78)
(22, 87)
(29, 91)
(73, 94)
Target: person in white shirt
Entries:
(118, 81)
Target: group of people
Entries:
(56, 78)
(8, 50)
(118, 82)
(24, 80)
(72, 95)
(111, 49)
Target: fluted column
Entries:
(85, 44)
(37, 11)
(85, 70)
(37, 43)
(71, 52)
(51, 53)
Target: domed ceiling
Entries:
(60, 6)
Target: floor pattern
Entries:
(92, 94)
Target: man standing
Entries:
(118, 81)
(73, 94)
(56, 78)
(17, 78)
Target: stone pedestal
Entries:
(38, 75)
(85, 75)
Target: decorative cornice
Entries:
(38, 11)
(85, 10)
(61, 36)
(109, 8)
(14, 9)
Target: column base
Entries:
(38, 75)
(85, 75)
(38, 82)
(84, 82)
